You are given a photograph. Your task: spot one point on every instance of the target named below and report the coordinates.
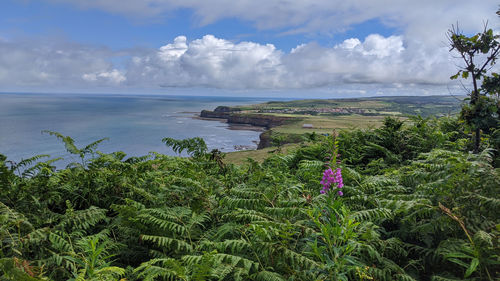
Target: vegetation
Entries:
(479, 54)
(332, 114)
(405, 201)
(372, 106)
(415, 206)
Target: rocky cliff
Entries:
(213, 114)
(235, 117)
(265, 139)
(267, 121)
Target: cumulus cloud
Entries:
(375, 60)
(416, 55)
(209, 61)
(114, 77)
(219, 63)
(55, 64)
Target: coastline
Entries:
(232, 126)
(238, 120)
(287, 122)
(241, 127)
(134, 124)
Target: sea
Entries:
(134, 124)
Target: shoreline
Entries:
(247, 122)
(240, 120)
(238, 127)
(232, 126)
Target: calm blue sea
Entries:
(133, 124)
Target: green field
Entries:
(326, 124)
(328, 115)
(241, 157)
(397, 105)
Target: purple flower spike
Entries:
(332, 179)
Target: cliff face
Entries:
(234, 117)
(265, 140)
(214, 114)
(257, 120)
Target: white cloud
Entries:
(55, 64)
(381, 47)
(350, 43)
(113, 77)
(219, 63)
(209, 61)
(416, 55)
(376, 61)
(175, 50)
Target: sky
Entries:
(288, 48)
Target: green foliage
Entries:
(416, 204)
(479, 53)
(13, 269)
(70, 146)
(415, 207)
(278, 141)
(194, 146)
(335, 241)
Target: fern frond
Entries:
(372, 214)
(163, 224)
(83, 219)
(247, 264)
(92, 146)
(487, 202)
(244, 203)
(28, 162)
(168, 269)
(226, 231)
(199, 219)
(287, 159)
(60, 243)
(267, 276)
(296, 259)
(168, 242)
(69, 143)
(234, 245)
(442, 278)
(245, 216)
(376, 183)
(284, 212)
(311, 164)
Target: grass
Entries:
(322, 125)
(240, 157)
(322, 103)
(326, 124)
(380, 107)
(395, 105)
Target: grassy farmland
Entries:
(328, 115)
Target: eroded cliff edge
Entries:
(236, 116)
